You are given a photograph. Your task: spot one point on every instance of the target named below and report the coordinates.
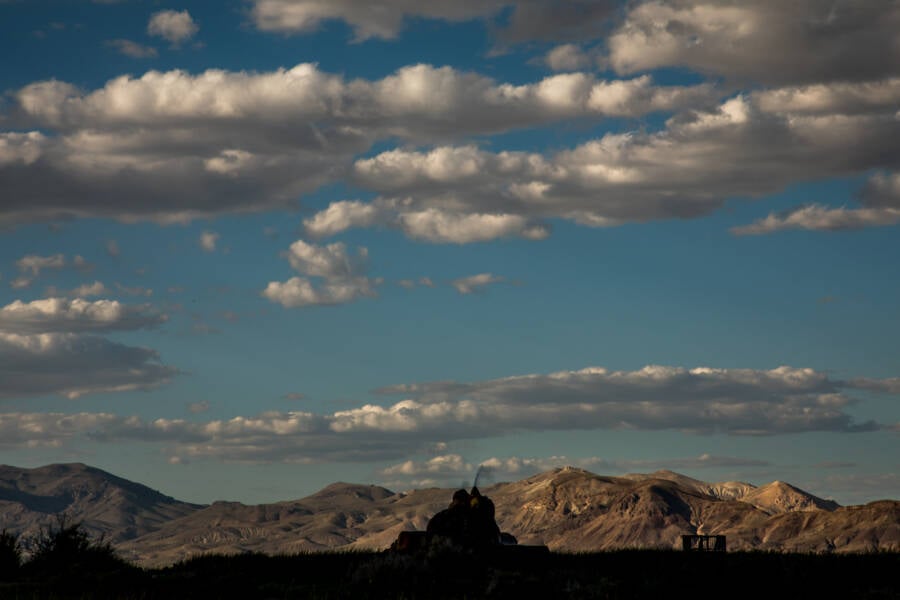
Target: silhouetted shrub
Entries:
(68, 549)
(10, 555)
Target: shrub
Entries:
(10, 555)
(68, 548)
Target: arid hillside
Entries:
(567, 509)
(105, 504)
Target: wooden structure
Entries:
(703, 543)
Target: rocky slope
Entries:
(574, 510)
(567, 509)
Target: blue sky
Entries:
(250, 248)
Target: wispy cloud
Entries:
(132, 49)
(820, 218)
(208, 240)
(475, 283)
(198, 407)
(32, 266)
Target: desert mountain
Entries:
(567, 509)
(571, 509)
(725, 490)
(773, 498)
(105, 504)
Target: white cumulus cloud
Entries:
(688, 169)
(339, 276)
(172, 25)
(435, 225)
(297, 292)
(162, 146)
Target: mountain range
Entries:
(567, 509)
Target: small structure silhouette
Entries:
(703, 543)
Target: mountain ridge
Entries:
(106, 504)
(567, 508)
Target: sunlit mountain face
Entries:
(565, 509)
(252, 248)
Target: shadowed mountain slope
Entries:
(105, 504)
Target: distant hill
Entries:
(567, 509)
(105, 504)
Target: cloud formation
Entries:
(173, 146)
(297, 292)
(35, 430)
(568, 57)
(341, 277)
(89, 289)
(747, 147)
(75, 365)
(433, 225)
(699, 401)
(821, 218)
(763, 41)
(475, 283)
(881, 207)
(32, 265)
(172, 25)
(46, 347)
(528, 19)
(163, 147)
(132, 49)
(63, 315)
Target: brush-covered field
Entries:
(622, 574)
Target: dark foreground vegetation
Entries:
(66, 564)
